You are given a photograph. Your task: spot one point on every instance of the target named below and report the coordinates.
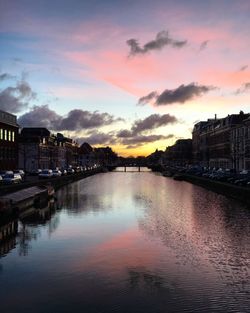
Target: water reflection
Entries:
(20, 232)
(8, 233)
(128, 242)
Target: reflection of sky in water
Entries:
(131, 242)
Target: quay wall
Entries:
(236, 192)
(56, 182)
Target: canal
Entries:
(128, 242)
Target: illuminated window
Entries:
(9, 137)
(1, 134)
(5, 134)
(13, 136)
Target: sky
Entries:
(134, 75)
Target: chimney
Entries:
(215, 116)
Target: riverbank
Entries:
(226, 189)
(56, 182)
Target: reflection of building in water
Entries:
(8, 233)
(35, 216)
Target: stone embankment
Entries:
(56, 182)
(236, 192)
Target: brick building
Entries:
(8, 141)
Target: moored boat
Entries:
(18, 201)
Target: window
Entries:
(13, 136)
(9, 135)
(5, 134)
(1, 134)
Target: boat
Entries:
(18, 201)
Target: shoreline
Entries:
(56, 182)
(239, 193)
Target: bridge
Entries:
(126, 168)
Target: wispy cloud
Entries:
(243, 68)
(98, 138)
(140, 132)
(162, 40)
(140, 140)
(6, 76)
(203, 45)
(243, 89)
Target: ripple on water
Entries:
(129, 242)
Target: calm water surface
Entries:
(128, 242)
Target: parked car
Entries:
(56, 173)
(12, 179)
(46, 174)
(243, 179)
(35, 172)
(77, 169)
(20, 172)
(64, 172)
(3, 173)
(70, 170)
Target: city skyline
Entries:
(134, 76)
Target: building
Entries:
(200, 152)
(39, 149)
(105, 156)
(212, 141)
(8, 141)
(35, 149)
(86, 155)
(240, 146)
(179, 154)
(72, 152)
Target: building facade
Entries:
(39, 149)
(240, 146)
(212, 141)
(8, 141)
(179, 154)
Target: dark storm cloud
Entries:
(153, 121)
(75, 120)
(144, 100)
(6, 76)
(15, 99)
(203, 45)
(162, 39)
(243, 89)
(243, 68)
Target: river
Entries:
(128, 242)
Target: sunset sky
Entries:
(135, 75)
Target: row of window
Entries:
(7, 135)
(241, 132)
